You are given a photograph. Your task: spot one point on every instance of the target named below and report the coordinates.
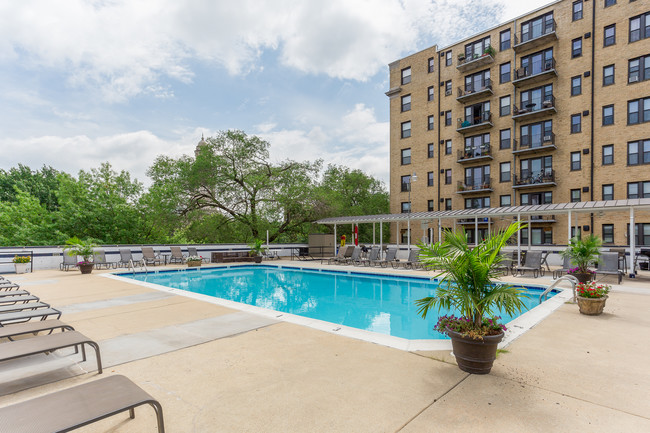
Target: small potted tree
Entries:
(582, 253)
(76, 247)
(256, 250)
(21, 263)
(468, 286)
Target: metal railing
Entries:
(531, 107)
(469, 89)
(468, 121)
(473, 184)
(570, 278)
(535, 177)
(535, 140)
(535, 68)
(532, 34)
(474, 152)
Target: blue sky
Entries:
(82, 82)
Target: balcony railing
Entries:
(473, 62)
(538, 71)
(475, 185)
(533, 110)
(470, 92)
(484, 120)
(525, 41)
(468, 221)
(539, 219)
(474, 154)
(530, 179)
(534, 143)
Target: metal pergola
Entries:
(571, 209)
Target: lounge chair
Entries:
(126, 257)
(354, 258)
(13, 293)
(176, 255)
(33, 328)
(192, 251)
(344, 254)
(68, 262)
(337, 257)
(22, 307)
(533, 263)
(372, 257)
(391, 254)
(18, 299)
(49, 343)
(75, 407)
(149, 257)
(9, 286)
(609, 265)
(99, 259)
(566, 265)
(413, 261)
(26, 315)
(545, 255)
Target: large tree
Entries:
(232, 176)
(42, 184)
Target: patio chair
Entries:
(68, 262)
(8, 285)
(192, 251)
(13, 293)
(176, 255)
(413, 260)
(21, 307)
(75, 407)
(354, 258)
(99, 259)
(150, 258)
(33, 328)
(126, 257)
(533, 263)
(391, 254)
(27, 315)
(566, 265)
(339, 256)
(545, 255)
(18, 299)
(372, 257)
(609, 265)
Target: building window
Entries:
(504, 106)
(537, 27)
(634, 109)
(505, 200)
(540, 236)
(608, 115)
(536, 170)
(430, 122)
(576, 85)
(638, 152)
(430, 150)
(406, 103)
(406, 75)
(609, 3)
(577, 10)
(504, 73)
(430, 93)
(448, 203)
(504, 139)
(575, 161)
(405, 183)
(608, 233)
(448, 176)
(406, 207)
(478, 81)
(448, 58)
(504, 172)
(608, 191)
(536, 99)
(504, 40)
(448, 147)
(641, 233)
(608, 75)
(608, 154)
(576, 123)
(431, 64)
(477, 48)
(638, 189)
(406, 129)
(638, 69)
(576, 48)
(430, 178)
(477, 203)
(536, 198)
(640, 27)
(448, 118)
(477, 177)
(447, 87)
(609, 35)
(536, 63)
(536, 134)
(430, 206)
(406, 156)
(575, 195)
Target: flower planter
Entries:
(591, 306)
(86, 268)
(257, 259)
(583, 277)
(193, 263)
(21, 268)
(475, 356)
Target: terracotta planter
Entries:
(475, 356)
(86, 268)
(193, 263)
(591, 306)
(583, 277)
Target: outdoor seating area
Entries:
(374, 257)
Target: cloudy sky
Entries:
(87, 81)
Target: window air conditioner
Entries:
(547, 138)
(634, 79)
(448, 92)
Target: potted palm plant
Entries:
(256, 250)
(468, 286)
(582, 253)
(77, 247)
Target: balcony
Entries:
(534, 179)
(472, 93)
(476, 123)
(475, 62)
(475, 185)
(528, 41)
(539, 71)
(471, 221)
(534, 143)
(535, 110)
(474, 154)
(538, 219)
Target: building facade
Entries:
(551, 107)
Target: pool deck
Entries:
(217, 369)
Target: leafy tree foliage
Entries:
(42, 184)
(26, 221)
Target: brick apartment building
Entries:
(551, 107)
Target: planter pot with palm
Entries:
(256, 250)
(582, 253)
(468, 286)
(77, 247)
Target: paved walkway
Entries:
(215, 369)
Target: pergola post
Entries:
(530, 231)
(519, 240)
(373, 233)
(335, 240)
(475, 231)
(397, 235)
(408, 234)
(381, 239)
(569, 229)
(631, 235)
(439, 229)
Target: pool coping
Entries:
(516, 327)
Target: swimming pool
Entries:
(378, 303)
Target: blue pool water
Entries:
(377, 303)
